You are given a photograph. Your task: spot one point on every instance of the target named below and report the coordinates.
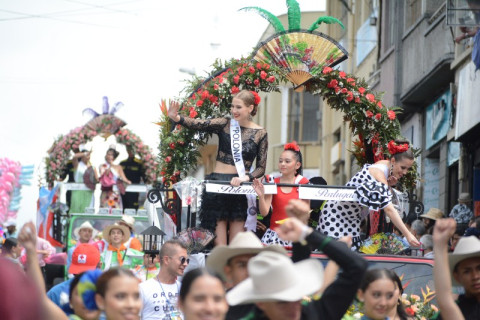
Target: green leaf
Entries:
(271, 18)
(294, 15)
(327, 20)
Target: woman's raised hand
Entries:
(173, 111)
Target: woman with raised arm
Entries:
(226, 213)
(290, 167)
(373, 192)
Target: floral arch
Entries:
(105, 124)
(288, 56)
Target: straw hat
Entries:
(464, 197)
(274, 277)
(433, 214)
(107, 229)
(242, 243)
(128, 220)
(467, 247)
(85, 225)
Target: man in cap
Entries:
(277, 285)
(85, 257)
(461, 212)
(463, 264)
(133, 242)
(11, 226)
(85, 233)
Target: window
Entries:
(304, 117)
(389, 25)
(413, 11)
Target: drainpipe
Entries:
(398, 76)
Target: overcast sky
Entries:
(58, 57)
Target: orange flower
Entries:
(110, 203)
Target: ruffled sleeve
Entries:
(374, 195)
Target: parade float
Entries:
(306, 59)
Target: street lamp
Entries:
(152, 240)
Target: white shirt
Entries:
(160, 300)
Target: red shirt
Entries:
(280, 200)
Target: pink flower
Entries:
(342, 74)
(327, 70)
(344, 90)
(378, 116)
(391, 114)
(251, 69)
(379, 104)
(199, 103)
(241, 71)
(236, 79)
(332, 84)
(256, 82)
(168, 159)
(271, 79)
(370, 97)
(369, 113)
(205, 95)
(263, 74)
(215, 86)
(361, 90)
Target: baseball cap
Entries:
(85, 257)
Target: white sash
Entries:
(236, 146)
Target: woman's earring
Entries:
(391, 170)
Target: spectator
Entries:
(80, 311)
(133, 242)
(85, 257)
(418, 228)
(11, 251)
(276, 285)
(44, 250)
(114, 253)
(474, 228)
(464, 265)
(430, 217)
(202, 296)
(135, 172)
(461, 212)
(459, 233)
(427, 246)
(11, 226)
(85, 233)
(149, 269)
(160, 294)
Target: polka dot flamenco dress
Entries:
(342, 218)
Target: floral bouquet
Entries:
(415, 307)
(383, 243)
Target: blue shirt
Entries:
(59, 295)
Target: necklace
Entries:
(165, 294)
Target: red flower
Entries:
(266, 66)
(370, 97)
(379, 104)
(234, 90)
(337, 89)
(215, 86)
(342, 74)
(394, 148)
(332, 84)
(259, 65)
(256, 97)
(172, 145)
(292, 146)
(251, 69)
(391, 115)
(327, 70)
(205, 95)
(213, 99)
(193, 112)
(236, 79)
(256, 82)
(199, 103)
(349, 96)
(263, 74)
(220, 79)
(271, 79)
(168, 159)
(162, 173)
(241, 71)
(409, 311)
(357, 100)
(369, 113)
(351, 81)
(344, 90)
(181, 142)
(177, 173)
(378, 116)
(361, 90)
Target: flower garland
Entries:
(59, 153)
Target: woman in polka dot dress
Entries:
(373, 182)
(290, 166)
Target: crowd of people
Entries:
(247, 275)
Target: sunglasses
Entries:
(183, 260)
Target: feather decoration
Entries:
(294, 15)
(87, 286)
(90, 112)
(105, 107)
(327, 20)
(274, 21)
(117, 106)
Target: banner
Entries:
(244, 189)
(338, 194)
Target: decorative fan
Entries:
(196, 239)
(302, 54)
(383, 243)
(105, 123)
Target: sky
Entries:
(58, 57)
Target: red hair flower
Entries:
(292, 146)
(394, 148)
(256, 98)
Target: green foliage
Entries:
(294, 15)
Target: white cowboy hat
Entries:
(274, 277)
(467, 247)
(433, 214)
(107, 229)
(85, 225)
(128, 220)
(242, 243)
